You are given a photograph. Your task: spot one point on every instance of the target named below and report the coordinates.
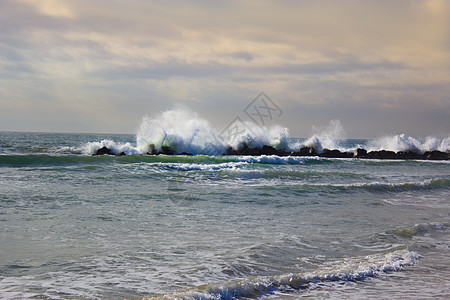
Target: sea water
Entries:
(77, 226)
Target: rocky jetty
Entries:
(244, 149)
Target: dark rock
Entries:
(268, 150)
(307, 151)
(167, 150)
(121, 154)
(282, 153)
(382, 154)
(335, 154)
(360, 153)
(436, 155)
(331, 153)
(243, 149)
(347, 154)
(185, 153)
(250, 151)
(230, 151)
(103, 151)
(152, 150)
(408, 155)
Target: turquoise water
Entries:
(217, 227)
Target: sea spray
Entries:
(329, 137)
(185, 132)
(116, 148)
(402, 142)
(181, 130)
(255, 136)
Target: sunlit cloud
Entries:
(388, 55)
(52, 8)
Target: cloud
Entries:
(69, 56)
(52, 8)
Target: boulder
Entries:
(382, 154)
(103, 151)
(268, 150)
(230, 151)
(360, 153)
(152, 150)
(250, 151)
(408, 155)
(167, 150)
(331, 153)
(243, 149)
(307, 151)
(347, 154)
(436, 155)
(335, 153)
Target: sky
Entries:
(379, 67)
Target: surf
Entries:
(333, 273)
(183, 132)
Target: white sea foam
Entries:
(387, 186)
(116, 148)
(184, 131)
(275, 159)
(84, 285)
(329, 137)
(181, 130)
(403, 142)
(256, 136)
(202, 167)
(347, 270)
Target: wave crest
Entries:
(184, 132)
(405, 143)
(347, 270)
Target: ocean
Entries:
(77, 226)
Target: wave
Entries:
(405, 143)
(418, 229)
(274, 159)
(193, 160)
(331, 137)
(116, 148)
(338, 272)
(45, 160)
(386, 186)
(183, 131)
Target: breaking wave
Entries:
(402, 142)
(330, 137)
(418, 229)
(340, 272)
(185, 132)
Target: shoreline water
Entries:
(93, 227)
